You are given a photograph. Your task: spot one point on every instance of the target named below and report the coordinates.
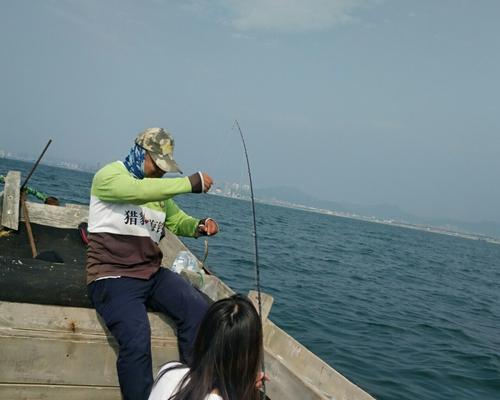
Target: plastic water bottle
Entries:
(180, 262)
(192, 264)
(185, 260)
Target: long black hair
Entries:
(227, 353)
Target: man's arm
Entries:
(178, 222)
(181, 224)
(113, 183)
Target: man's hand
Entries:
(208, 227)
(207, 181)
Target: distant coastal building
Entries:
(69, 165)
(6, 154)
(233, 190)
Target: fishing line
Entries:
(222, 149)
(222, 152)
(211, 208)
(257, 270)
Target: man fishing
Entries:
(129, 209)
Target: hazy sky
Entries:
(365, 101)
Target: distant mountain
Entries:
(296, 196)
(379, 211)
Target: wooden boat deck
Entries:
(51, 351)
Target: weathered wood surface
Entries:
(265, 300)
(76, 320)
(296, 372)
(10, 203)
(65, 348)
(57, 392)
(57, 216)
(60, 348)
(285, 385)
(68, 216)
(64, 359)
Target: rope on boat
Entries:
(257, 270)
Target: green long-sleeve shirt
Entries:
(126, 220)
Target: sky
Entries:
(361, 101)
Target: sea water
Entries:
(404, 314)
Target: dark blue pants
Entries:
(122, 303)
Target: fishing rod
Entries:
(257, 270)
(23, 202)
(36, 164)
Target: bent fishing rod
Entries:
(257, 270)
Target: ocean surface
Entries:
(404, 314)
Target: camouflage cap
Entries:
(160, 145)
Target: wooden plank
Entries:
(67, 359)
(57, 216)
(75, 320)
(10, 206)
(266, 301)
(215, 288)
(286, 385)
(57, 392)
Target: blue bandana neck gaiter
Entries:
(134, 162)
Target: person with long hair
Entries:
(226, 357)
